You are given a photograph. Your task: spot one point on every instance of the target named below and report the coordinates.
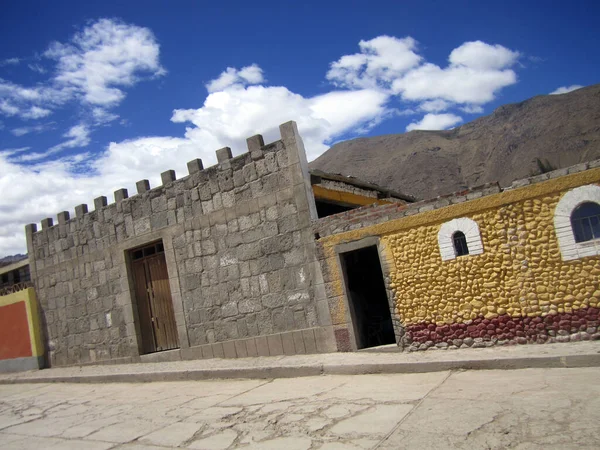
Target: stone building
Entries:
(259, 256)
(220, 263)
(487, 266)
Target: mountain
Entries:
(7, 260)
(516, 141)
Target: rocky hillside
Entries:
(516, 141)
(7, 260)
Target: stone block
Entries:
(30, 228)
(47, 223)
(299, 342)
(251, 349)
(207, 351)
(240, 348)
(80, 210)
(223, 154)
(167, 177)
(142, 186)
(262, 346)
(195, 165)
(120, 195)
(192, 353)
(218, 350)
(229, 349)
(289, 347)
(255, 145)
(325, 340)
(275, 344)
(309, 341)
(100, 202)
(63, 217)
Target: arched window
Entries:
(585, 221)
(460, 243)
(577, 222)
(459, 237)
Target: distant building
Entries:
(14, 274)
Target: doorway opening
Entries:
(158, 328)
(367, 298)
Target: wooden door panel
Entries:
(143, 306)
(162, 304)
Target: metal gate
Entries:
(153, 295)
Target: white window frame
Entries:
(471, 231)
(569, 249)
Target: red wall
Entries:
(14, 331)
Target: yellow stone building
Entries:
(481, 267)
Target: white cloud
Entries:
(482, 56)
(472, 109)
(79, 136)
(102, 58)
(10, 62)
(457, 84)
(476, 72)
(437, 105)
(21, 131)
(93, 68)
(239, 104)
(37, 68)
(381, 60)
(102, 116)
(245, 76)
(435, 122)
(13, 151)
(229, 116)
(566, 89)
(35, 112)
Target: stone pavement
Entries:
(576, 354)
(497, 409)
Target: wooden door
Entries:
(153, 296)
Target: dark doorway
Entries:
(153, 297)
(325, 209)
(368, 300)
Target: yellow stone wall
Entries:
(520, 274)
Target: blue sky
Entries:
(97, 95)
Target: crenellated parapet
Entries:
(214, 181)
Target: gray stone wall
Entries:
(238, 245)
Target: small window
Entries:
(577, 222)
(585, 221)
(460, 243)
(459, 237)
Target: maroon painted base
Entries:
(506, 328)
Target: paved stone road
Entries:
(522, 409)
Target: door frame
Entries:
(152, 342)
(128, 300)
(386, 267)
